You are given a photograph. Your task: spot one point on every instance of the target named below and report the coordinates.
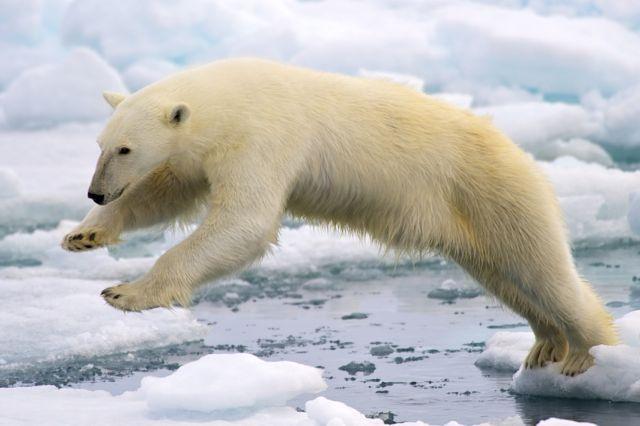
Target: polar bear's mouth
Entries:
(118, 193)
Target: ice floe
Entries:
(615, 375)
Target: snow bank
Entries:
(615, 375)
(621, 118)
(595, 199)
(9, 183)
(221, 390)
(405, 79)
(437, 41)
(230, 381)
(56, 93)
(45, 319)
(310, 246)
(147, 71)
(552, 53)
(532, 125)
(506, 350)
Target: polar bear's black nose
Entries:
(98, 198)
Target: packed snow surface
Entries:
(615, 375)
(230, 381)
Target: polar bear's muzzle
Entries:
(97, 198)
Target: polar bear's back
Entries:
(408, 154)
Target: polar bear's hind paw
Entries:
(576, 363)
(545, 351)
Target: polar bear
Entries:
(248, 140)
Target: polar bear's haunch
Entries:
(249, 140)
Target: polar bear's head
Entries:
(140, 136)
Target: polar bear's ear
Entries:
(113, 98)
(179, 113)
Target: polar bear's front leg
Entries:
(101, 227)
(243, 222)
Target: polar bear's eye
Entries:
(124, 150)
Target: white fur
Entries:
(256, 139)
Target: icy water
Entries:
(412, 345)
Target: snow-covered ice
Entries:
(57, 93)
(614, 377)
(229, 389)
(230, 381)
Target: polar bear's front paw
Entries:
(576, 363)
(85, 239)
(127, 297)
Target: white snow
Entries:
(621, 113)
(561, 422)
(404, 79)
(49, 318)
(60, 92)
(595, 199)
(9, 183)
(230, 381)
(531, 124)
(506, 350)
(615, 375)
(147, 71)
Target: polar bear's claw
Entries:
(576, 363)
(545, 351)
(83, 240)
(127, 297)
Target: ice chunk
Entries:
(451, 290)
(615, 375)
(9, 183)
(531, 124)
(230, 381)
(621, 118)
(634, 212)
(60, 92)
(309, 246)
(561, 422)
(580, 149)
(595, 199)
(461, 100)
(51, 318)
(556, 54)
(506, 350)
(414, 82)
(326, 412)
(629, 328)
(147, 71)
